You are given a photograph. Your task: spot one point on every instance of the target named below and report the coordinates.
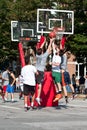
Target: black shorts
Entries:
(85, 91)
(1, 89)
(40, 77)
(28, 89)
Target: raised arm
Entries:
(49, 49)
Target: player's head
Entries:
(39, 51)
(68, 53)
(27, 60)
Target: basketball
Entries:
(52, 34)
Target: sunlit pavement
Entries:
(64, 117)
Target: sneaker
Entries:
(32, 108)
(5, 99)
(20, 97)
(58, 97)
(38, 101)
(66, 99)
(26, 109)
(73, 96)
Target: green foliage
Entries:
(25, 10)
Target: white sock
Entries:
(5, 98)
(12, 99)
(32, 104)
(25, 105)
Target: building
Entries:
(76, 68)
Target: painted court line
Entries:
(10, 107)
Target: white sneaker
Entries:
(13, 100)
(38, 101)
(5, 99)
(32, 104)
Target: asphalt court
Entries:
(19, 104)
(64, 117)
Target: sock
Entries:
(32, 104)
(66, 97)
(59, 92)
(73, 92)
(2, 96)
(25, 105)
(12, 99)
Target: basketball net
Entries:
(59, 32)
(60, 36)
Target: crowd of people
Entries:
(30, 75)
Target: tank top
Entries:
(10, 78)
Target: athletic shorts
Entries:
(10, 89)
(4, 88)
(40, 77)
(81, 86)
(66, 78)
(56, 77)
(85, 91)
(28, 89)
(21, 88)
(1, 88)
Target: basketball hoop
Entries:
(25, 39)
(59, 32)
(59, 36)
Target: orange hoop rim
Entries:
(56, 29)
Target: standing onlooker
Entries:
(5, 80)
(21, 86)
(74, 81)
(10, 87)
(41, 59)
(85, 90)
(1, 89)
(28, 75)
(82, 84)
(77, 86)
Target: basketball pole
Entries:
(21, 53)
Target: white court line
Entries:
(10, 107)
(73, 105)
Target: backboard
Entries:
(47, 19)
(23, 30)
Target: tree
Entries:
(26, 10)
(77, 43)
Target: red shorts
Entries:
(4, 88)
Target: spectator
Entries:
(10, 86)
(77, 86)
(1, 89)
(74, 81)
(21, 86)
(5, 80)
(85, 90)
(82, 84)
